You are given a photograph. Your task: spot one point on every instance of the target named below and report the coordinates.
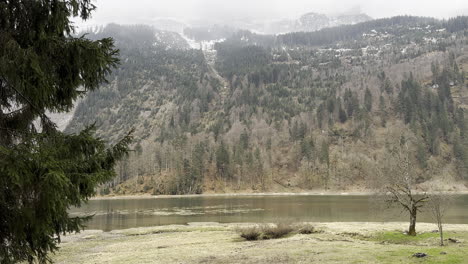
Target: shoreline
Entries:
(359, 227)
(314, 193)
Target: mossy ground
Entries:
(425, 243)
(217, 243)
(397, 237)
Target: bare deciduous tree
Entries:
(403, 195)
(399, 185)
(438, 204)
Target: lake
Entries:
(113, 214)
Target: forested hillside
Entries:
(301, 111)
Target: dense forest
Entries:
(300, 111)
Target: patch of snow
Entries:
(192, 43)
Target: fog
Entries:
(225, 11)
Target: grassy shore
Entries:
(221, 243)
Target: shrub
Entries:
(277, 231)
(306, 229)
(250, 233)
(146, 188)
(140, 180)
(104, 191)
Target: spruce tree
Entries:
(222, 160)
(43, 172)
(342, 115)
(368, 100)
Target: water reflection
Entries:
(128, 213)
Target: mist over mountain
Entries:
(206, 31)
(307, 22)
(233, 13)
(313, 22)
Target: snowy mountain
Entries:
(170, 40)
(168, 24)
(212, 30)
(313, 22)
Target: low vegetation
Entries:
(275, 231)
(250, 233)
(307, 229)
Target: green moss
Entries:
(453, 256)
(396, 237)
(405, 246)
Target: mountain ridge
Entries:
(298, 111)
(315, 21)
(306, 23)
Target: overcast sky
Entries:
(139, 11)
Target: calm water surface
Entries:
(129, 213)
